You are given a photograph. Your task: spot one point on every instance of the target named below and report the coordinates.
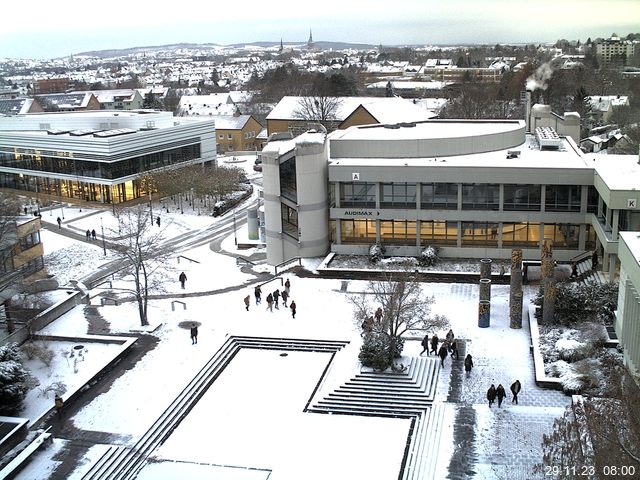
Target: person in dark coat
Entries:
(93, 234)
(158, 221)
(425, 345)
(258, 294)
(442, 353)
(378, 314)
(285, 297)
(287, 285)
(515, 390)
(434, 344)
(194, 334)
(500, 393)
(450, 336)
(454, 349)
(247, 302)
(574, 269)
(183, 279)
(59, 220)
(594, 260)
(491, 395)
(88, 234)
(468, 363)
(276, 297)
(270, 302)
(293, 308)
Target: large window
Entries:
(562, 198)
(288, 184)
(522, 197)
(358, 231)
(358, 194)
(289, 220)
(29, 241)
(398, 195)
(564, 235)
(439, 196)
(480, 196)
(525, 234)
(438, 233)
(398, 232)
(479, 233)
(592, 199)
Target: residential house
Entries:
(236, 133)
(68, 102)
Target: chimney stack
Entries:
(525, 97)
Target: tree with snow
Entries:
(13, 377)
(404, 307)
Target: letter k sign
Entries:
(355, 176)
(632, 203)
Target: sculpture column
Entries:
(515, 290)
(548, 281)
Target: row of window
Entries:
(247, 135)
(475, 196)
(406, 232)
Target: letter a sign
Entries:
(355, 176)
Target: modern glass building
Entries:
(476, 189)
(98, 156)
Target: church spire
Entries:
(310, 44)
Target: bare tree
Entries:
(319, 108)
(138, 245)
(404, 306)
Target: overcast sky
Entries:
(46, 29)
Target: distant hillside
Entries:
(123, 52)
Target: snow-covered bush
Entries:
(429, 256)
(13, 376)
(571, 344)
(578, 377)
(377, 351)
(38, 350)
(376, 252)
(579, 302)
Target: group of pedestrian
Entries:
(499, 393)
(273, 299)
(449, 346)
(91, 234)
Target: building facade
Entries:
(628, 313)
(615, 50)
(236, 133)
(475, 189)
(20, 248)
(98, 156)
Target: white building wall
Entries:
(628, 313)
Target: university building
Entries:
(98, 156)
(475, 189)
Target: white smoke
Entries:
(538, 81)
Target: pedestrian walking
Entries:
(194, 334)
(378, 314)
(285, 297)
(270, 302)
(293, 308)
(454, 349)
(287, 286)
(594, 260)
(425, 345)
(158, 221)
(183, 279)
(247, 301)
(491, 395)
(574, 269)
(88, 234)
(500, 393)
(468, 363)
(58, 403)
(258, 294)
(276, 298)
(450, 336)
(442, 353)
(93, 234)
(59, 220)
(515, 390)
(434, 344)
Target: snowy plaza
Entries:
(259, 413)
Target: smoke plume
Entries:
(538, 81)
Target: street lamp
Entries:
(151, 208)
(235, 237)
(104, 247)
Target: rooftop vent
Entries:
(513, 154)
(548, 138)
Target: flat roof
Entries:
(618, 172)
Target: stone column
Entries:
(515, 291)
(485, 289)
(485, 268)
(484, 314)
(548, 281)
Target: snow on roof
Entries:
(229, 122)
(109, 96)
(618, 172)
(402, 85)
(384, 109)
(603, 103)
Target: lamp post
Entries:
(151, 208)
(235, 237)
(104, 246)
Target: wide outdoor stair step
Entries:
(420, 403)
(125, 463)
(377, 396)
(423, 456)
(363, 409)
